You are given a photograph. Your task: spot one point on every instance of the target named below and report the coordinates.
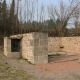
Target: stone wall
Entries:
(35, 47)
(7, 45)
(53, 44)
(28, 46)
(7, 49)
(69, 44)
(40, 47)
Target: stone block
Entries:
(9, 55)
(43, 42)
(24, 55)
(41, 59)
(40, 35)
(34, 47)
(44, 36)
(31, 42)
(36, 60)
(5, 53)
(36, 42)
(7, 41)
(36, 35)
(28, 36)
(40, 51)
(32, 59)
(8, 48)
(13, 55)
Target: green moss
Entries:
(1, 64)
(4, 76)
(55, 55)
(21, 36)
(22, 75)
(8, 72)
(30, 62)
(20, 58)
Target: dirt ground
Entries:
(19, 69)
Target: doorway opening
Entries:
(15, 45)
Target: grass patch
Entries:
(30, 62)
(14, 74)
(2, 65)
(77, 77)
(8, 72)
(55, 55)
(20, 58)
(19, 74)
(4, 76)
(26, 60)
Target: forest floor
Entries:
(20, 69)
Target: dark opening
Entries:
(15, 45)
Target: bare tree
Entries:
(64, 13)
(77, 22)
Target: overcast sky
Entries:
(44, 1)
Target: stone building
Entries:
(31, 46)
(35, 47)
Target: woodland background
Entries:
(62, 20)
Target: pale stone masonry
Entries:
(71, 44)
(33, 47)
(53, 44)
(7, 49)
(64, 44)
